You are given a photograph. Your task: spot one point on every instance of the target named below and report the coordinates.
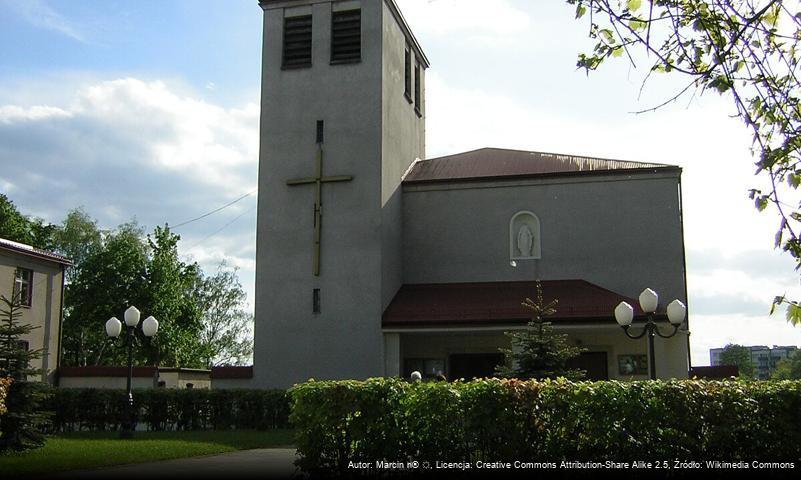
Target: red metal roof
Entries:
(33, 251)
(490, 163)
(499, 303)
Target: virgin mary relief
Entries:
(525, 240)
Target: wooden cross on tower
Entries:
(318, 181)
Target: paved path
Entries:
(265, 464)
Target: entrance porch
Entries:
(457, 331)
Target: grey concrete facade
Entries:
(621, 231)
(372, 133)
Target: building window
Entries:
(316, 300)
(297, 42)
(23, 286)
(417, 95)
(346, 36)
(407, 75)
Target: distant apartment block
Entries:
(763, 358)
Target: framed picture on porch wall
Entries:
(632, 364)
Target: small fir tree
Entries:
(538, 352)
(22, 424)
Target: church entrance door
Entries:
(473, 365)
(595, 363)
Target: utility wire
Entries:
(215, 211)
(221, 228)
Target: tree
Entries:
(538, 352)
(225, 339)
(17, 227)
(22, 424)
(107, 280)
(77, 238)
(13, 225)
(740, 357)
(168, 296)
(746, 50)
(788, 368)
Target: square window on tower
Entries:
(297, 42)
(346, 36)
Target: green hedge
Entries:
(490, 420)
(169, 409)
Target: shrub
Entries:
(169, 409)
(492, 419)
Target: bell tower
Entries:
(342, 119)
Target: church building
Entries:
(374, 260)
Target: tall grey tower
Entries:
(342, 119)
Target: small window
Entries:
(346, 36)
(417, 106)
(297, 42)
(23, 286)
(316, 300)
(407, 74)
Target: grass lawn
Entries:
(83, 450)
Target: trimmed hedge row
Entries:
(168, 409)
(492, 419)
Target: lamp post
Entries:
(113, 329)
(624, 314)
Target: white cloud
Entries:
(39, 14)
(13, 113)
(133, 148)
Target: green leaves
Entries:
(633, 5)
(506, 420)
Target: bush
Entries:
(551, 420)
(169, 409)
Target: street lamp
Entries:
(113, 329)
(624, 314)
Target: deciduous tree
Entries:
(739, 356)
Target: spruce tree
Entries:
(21, 426)
(538, 352)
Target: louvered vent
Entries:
(297, 42)
(346, 36)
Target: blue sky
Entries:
(149, 109)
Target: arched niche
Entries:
(524, 236)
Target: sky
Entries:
(150, 110)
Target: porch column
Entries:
(392, 354)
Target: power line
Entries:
(215, 210)
(221, 228)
